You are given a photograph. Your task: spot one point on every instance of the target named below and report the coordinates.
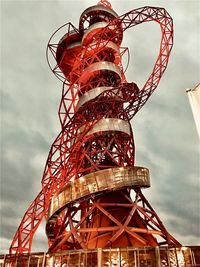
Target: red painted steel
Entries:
(95, 93)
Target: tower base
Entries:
(106, 209)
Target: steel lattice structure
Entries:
(91, 189)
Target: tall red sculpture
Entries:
(91, 189)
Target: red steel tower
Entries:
(91, 189)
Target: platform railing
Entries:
(115, 257)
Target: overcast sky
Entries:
(165, 135)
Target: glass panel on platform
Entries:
(105, 258)
(36, 260)
(180, 258)
(195, 255)
(187, 256)
(147, 257)
(124, 254)
(132, 258)
(22, 261)
(83, 259)
(10, 261)
(2, 260)
(73, 260)
(164, 259)
(114, 258)
(49, 261)
(65, 260)
(92, 260)
(172, 258)
(80, 259)
(57, 261)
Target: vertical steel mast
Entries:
(91, 192)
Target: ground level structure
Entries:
(118, 257)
